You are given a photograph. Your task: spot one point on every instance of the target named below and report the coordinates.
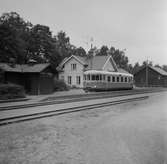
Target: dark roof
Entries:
(159, 70)
(24, 67)
(156, 69)
(97, 62)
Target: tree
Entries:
(136, 68)
(40, 43)
(120, 59)
(164, 67)
(63, 45)
(158, 66)
(103, 51)
(14, 34)
(130, 68)
(14, 20)
(150, 63)
(80, 52)
(11, 45)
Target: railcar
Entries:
(104, 80)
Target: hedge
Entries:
(11, 91)
(60, 85)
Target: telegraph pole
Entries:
(91, 41)
(147, 73)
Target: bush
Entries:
(60, 85)
(11, 91)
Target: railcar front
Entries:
(104, 80)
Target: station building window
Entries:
(73, 67)
(69, 80)
(62, 78)
(78, 80)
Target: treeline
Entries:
(21, 41)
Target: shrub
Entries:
(60, 85)
(11, 91)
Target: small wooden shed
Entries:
(35, 78)
(149, 76)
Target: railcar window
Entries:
(126, 79)
(88, 77)
(104, 77)
(93, 77)
(97, 77)
(117, 78)
(122, 79)
(113, 79)
(100, 77)
(108, 78)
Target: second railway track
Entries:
(28, 117)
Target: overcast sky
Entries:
(140, 26)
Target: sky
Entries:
(139, 26)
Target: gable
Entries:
(68, 66)
(70, 59)
(110, 65)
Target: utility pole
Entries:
(91, 41)
(147, 73)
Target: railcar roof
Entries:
(107, 72)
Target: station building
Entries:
(149, 76)
(71, 69)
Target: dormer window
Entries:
(73, 67)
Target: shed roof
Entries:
(156, 69)
(159, 70)
(24, 67)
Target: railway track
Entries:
(76, 98)
(28, 117)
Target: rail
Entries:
(28, 117)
